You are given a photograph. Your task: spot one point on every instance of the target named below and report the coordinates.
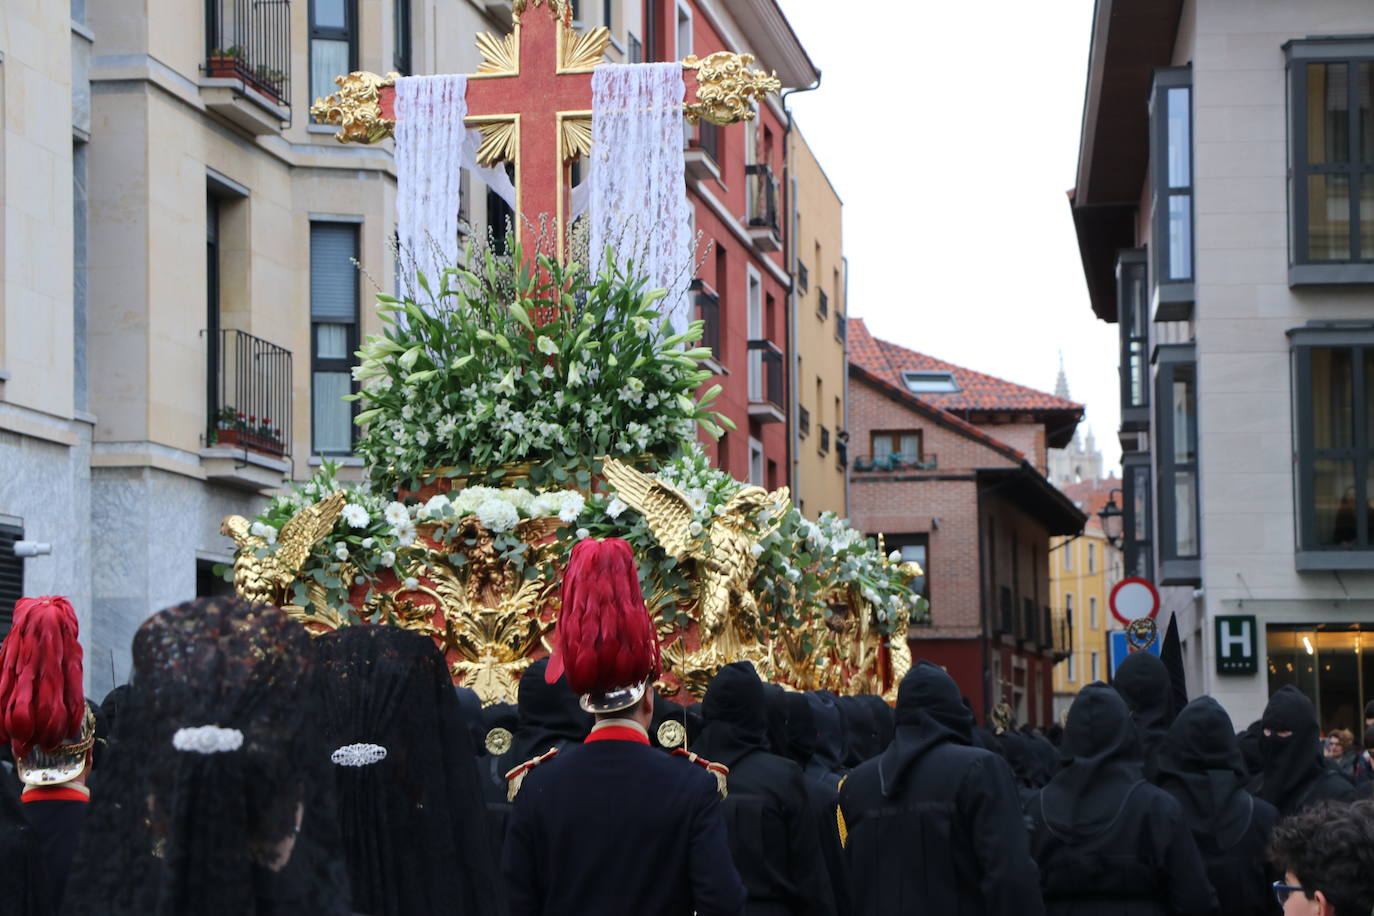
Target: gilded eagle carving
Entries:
(265, 579)
(724, 559)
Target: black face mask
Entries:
(1290, 763)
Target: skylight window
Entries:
(930, 382)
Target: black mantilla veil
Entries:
(413, 821)
(239, 821)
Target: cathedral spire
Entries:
(1061, 384)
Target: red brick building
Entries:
(736, 181)
(949, 465)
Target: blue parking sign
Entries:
(1118, 649)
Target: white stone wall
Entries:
(1244, 306)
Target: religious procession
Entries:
(556, 506)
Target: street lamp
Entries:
(1112, 519)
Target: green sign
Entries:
(1237, 644)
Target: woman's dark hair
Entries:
(1330, 848)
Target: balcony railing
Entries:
(250, 40)
(765, 379)
(249, 393)
(763, 196)
(896, 462)
(708, 310)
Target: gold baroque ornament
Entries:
(727, 87)
(265, 579)
(561, 9)
(671, 733)
(357, 107)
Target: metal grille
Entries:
(250, 40)
(250, 405)
(11, 575)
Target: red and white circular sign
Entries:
(1134, 598)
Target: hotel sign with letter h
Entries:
(1237, 645)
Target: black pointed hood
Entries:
(736, 725)
(930, 712)
(1144, 683)
(1200, 764)
(827, 758)
(1101, 764)
(549, 715)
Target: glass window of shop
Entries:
(1334, 665)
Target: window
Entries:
(333, 43)
(803, 421)
(1334, 421)
(334, 334)
(1138, 519)
(825, 440)
(635, 54)
(822, 304)
(803, 278)
(1092, 559)
(1072, 672)
(930, 382)
(915, 549)
(11, 574)
(684, 30)
(756, 462)
(401, 26)
(1068, 605)
(1094, 672)
(1092, 612)
(1068, 555)
(1171, 119)
(1176, 402)
(1132, 299)
(901, 446)
(1331, 174)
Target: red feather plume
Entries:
(605, 637)
(41, 698)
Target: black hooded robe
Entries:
(1144, 683)
(1200, 764)
(1295, 773)
(767, 811)
(934, 823)
(1109, 843)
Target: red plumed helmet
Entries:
(41, 699)
(605, 638)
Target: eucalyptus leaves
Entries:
(473, 380)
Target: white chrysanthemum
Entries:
(404, 532)
(573, 504)
(520, 498)
(435, 507)
(356, 516)
(395, 513)
(388, 559)
(341, 550)
(615, 507)
(497, 515)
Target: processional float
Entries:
(734, 571)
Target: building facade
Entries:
(818, 368)
(180, 252)
(948, 465)
(1222, 225)
(1083, 571)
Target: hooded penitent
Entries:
(549, 715)
(41, 700)
(403, 770)
(606, 641)
(1145, 685)
(1200, 764)
(734, 715)
(827, 758)
(929, 712)
(218, 798)
(1294, 772)
(1101, 762)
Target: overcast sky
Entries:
(950, 131)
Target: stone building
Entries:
(1221, 207)
(1081, 459)
(948, 465)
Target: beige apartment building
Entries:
(1222, 210)
(819, 365)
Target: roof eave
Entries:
(771, 37)
(1030, 491)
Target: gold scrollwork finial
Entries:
(727, 87)
(357, 107)
(561, 9)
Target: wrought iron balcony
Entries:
(250, 41)
(766, 382)
(249, 394)
(896, 462)
(762, 190)
(708, 310)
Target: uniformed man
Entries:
(613, 826)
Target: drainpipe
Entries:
(793, 396)
(844, 379)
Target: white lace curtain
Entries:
(429, 151)
(638, 194)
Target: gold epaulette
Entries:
(718, 770)
(516, 777)
(839, 818)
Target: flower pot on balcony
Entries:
(222, 66)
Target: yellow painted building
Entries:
(819, 364)
(1083, 571)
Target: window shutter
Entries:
(11, 575)
(333, 278)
